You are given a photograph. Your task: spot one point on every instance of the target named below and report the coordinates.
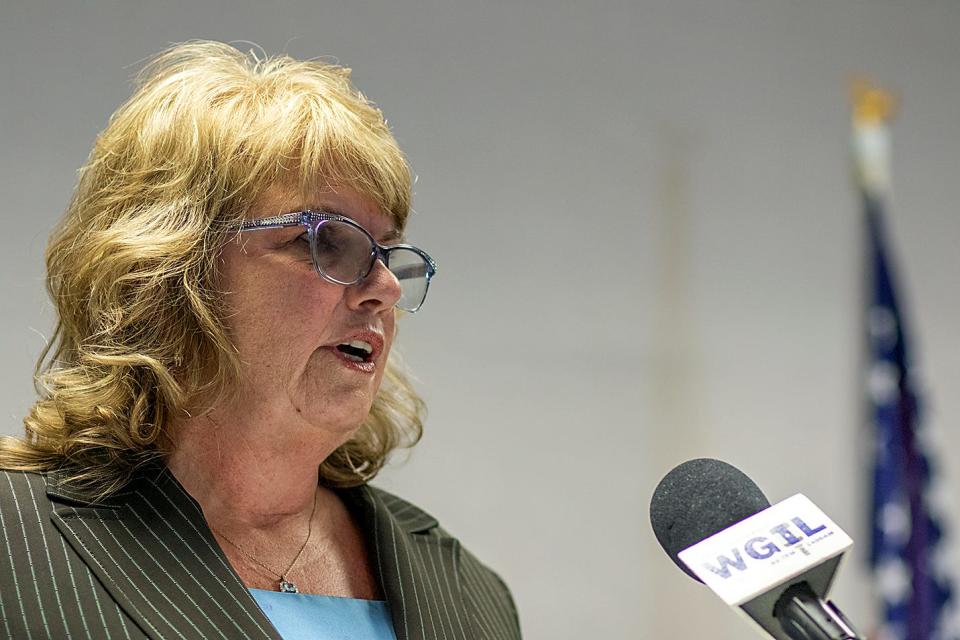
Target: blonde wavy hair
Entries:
(132, 267)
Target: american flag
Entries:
(912, 576)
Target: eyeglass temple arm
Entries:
(276, 222)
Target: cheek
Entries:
(310, 305)
(281, 321)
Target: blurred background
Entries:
(650, 249)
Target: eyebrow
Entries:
(391, 235)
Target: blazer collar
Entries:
(153, 551)
(151, 548)
(418, 566)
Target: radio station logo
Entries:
(784, 540)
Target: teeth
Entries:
(360, 344)
(356, 350)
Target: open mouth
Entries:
(356, 350)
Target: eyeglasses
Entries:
(344, 253)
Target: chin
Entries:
(345, 422)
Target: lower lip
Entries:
(366, 366)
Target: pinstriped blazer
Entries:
(144, 564)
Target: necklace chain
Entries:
(285, 585)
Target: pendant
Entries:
(287, 587)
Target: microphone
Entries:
(774, 563)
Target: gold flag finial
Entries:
(872, 110)
(871, 104)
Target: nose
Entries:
(379, 291)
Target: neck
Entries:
(247, 475)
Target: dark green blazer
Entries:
(144, 564)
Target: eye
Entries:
(326, 243)
(299, 246)
(302, 240)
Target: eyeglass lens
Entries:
(344, 253)
(411, 270)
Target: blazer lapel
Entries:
(418, 566)
(152, 550)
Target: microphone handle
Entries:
(805, 616)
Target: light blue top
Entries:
(305, 616)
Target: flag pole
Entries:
(912, 580)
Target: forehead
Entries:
(342, 200)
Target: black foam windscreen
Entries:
(699, 498)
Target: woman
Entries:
(219, 390)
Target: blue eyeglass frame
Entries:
(312, 219)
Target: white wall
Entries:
(648, 241)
